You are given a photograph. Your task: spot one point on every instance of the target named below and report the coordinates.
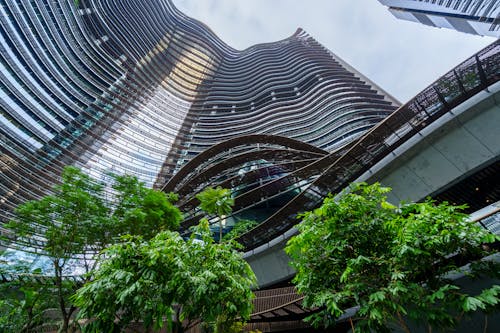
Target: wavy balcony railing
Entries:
(458, 85)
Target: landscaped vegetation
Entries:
(168, 279)
(142, 269)
(389, 264)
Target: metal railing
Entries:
(458, 85)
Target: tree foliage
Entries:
(70, 219)
(216, 201)
(167, 278)
(143, 211)
(23, 300)
(241, 227)
(359, 250)
(80, 216)
(221, 281)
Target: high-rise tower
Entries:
(137, 87)
(478, 17)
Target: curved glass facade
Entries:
(137, 87)
(274, 178)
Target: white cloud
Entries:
(402, 57)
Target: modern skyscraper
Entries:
(479, 17)
(137, 87)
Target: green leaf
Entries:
(472, 304)
(216, 201)
(345, 275)
(387, 205)
(145, 279)
(490, 295)
(377, 296)
(437, 295)
(359, 249)
(490, 238)
(376, 314)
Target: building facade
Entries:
(136, 87)
(478, 17)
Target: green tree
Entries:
(359, 250)
(142, 211)
(69, 220)
(136, 280)
(78, 218)
(241, 227)
(167, 279)
(220, 281)
(216, 201)
(23, 298)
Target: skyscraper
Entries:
(479, 17)
(137, 87)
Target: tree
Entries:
(220, 281)
(216, 201)
(359, 250)
(241, 227)
(143, 211)
(23, 300)
(69, 219)
(78, 218)
(167, 278)
(136, 280)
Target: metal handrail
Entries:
(458, 85)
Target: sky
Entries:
(401, 57)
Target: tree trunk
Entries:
(220, 230)
(402, 323)
(62, 304)
(64, 326)
(177, 324)
(29, 320)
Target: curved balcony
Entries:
(310, 180)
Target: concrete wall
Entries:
(461, 142)
(445, 152)
(270, 262)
